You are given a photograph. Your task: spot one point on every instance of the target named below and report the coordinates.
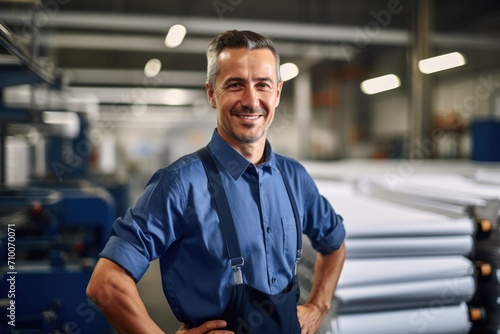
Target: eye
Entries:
(264, 85)
(234, 85)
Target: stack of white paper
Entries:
(407, 270)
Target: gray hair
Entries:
(237, 39)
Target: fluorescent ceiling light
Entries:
(119, 97)
(380, 84)
(441, 63)
(288, 71)
(152, 68)
(175, 36)
(174, 97)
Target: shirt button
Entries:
(268, 229)
(273, 279)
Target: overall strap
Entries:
(298, 224)
(223, 210)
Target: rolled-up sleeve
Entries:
(322, 224)
(146, 230)
(127, 256)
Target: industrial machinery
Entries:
(49, 244)
(55, 215)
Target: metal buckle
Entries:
(237, 264)
(299, 256)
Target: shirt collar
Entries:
(232, 161)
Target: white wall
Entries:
(471, 95)
(390, 114)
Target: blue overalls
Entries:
(251, 311)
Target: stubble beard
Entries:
(245, 139)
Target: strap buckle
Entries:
(299, 256)
(237, 263)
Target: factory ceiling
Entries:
(107, 43)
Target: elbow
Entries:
(108, 282)
(92, 289)
(100, 280)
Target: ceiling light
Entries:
(441, 63)
(380, 84)
(176, 97)
(288, 71)
(152, 68)
(175, 36)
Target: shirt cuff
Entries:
(125, 255)
(331, 242)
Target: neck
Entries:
(253, 152)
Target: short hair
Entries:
(234, 39)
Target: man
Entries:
(177, 219)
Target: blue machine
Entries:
(485, 137)
(52, 230)
(47, 257)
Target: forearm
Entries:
(129, 315)
(115, 293)
(327, 271)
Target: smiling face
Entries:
(245, 95)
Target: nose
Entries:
(250, 99)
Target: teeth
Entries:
(250, 117)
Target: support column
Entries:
(420, 118)
(302, 104)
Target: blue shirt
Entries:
(175, 220)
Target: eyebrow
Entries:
(265, 79)
(238, 79)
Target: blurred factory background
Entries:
(392, 105)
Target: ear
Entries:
(210, 95)
(278, 93)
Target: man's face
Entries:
(245, 95)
